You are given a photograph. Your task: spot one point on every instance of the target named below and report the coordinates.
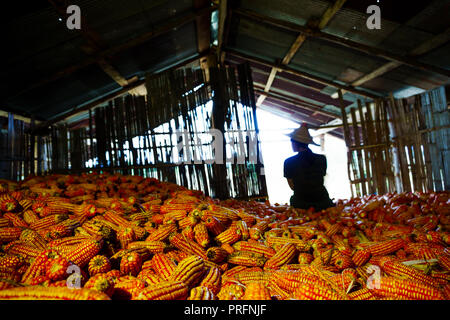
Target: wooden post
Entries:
(346, 138)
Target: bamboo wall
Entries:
(143, 135)
(398, 145)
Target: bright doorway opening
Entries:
(276, 147)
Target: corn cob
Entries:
(125, 235)
(188, 233)
(254, 247)
(163, 265)
(152, 246)
(214, 225)
(249, 219)
(5, 223)
(131, 264)
(162, 233)
(342, 261)
(201, 293)
(257, 230)
(227, 247)
(101, 283)
(230, 235)
(98, 230)
(362, 294)
(230, 273)
(242, 226)
(114, 217)
(246, 258)
(221, 217)
(276, 292)
(361, 257)
(56, 269)
(68, 241)
(15, 220)
(315, 291)
(8, 203)
(8, 234)
(166, 290)
(51, 293)
(444, 261)
(127, 287)
(25, 204)
(301, 245)
(99, 264)
(257, 290)
(82, 253)
(188, 271)
(38, 266)
(343, 281)
(406, 289)
(33, 238)
(201, 234)
(401, 271)
(48, 221)
(305, 258)
(231, 291)
(186, 245)
(245, 277)
(386, 247)
(149, 276)
(20, 248)
(216, 254)
(55, 232)
(212, 280)
(281, 257)
(290, 280)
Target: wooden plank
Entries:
(370, 187)
(346, 138)
(381, 163)
(387, 149)
(330, 13)
(357, 142)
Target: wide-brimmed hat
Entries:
(302, 135)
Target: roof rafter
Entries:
(160, 30)
(303, 74)
(370, 50)
(326, 17)
(94, 45)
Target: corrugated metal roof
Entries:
(39, 45)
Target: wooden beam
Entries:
(297, 102)
(134, 84)
(160, 30)
(301, 38)
(305, 75)
(202, 25)
(330, 13)
(314, 105)
(425, 47)
(223, 8)
(94, 44)
(370, 50)
(269, 82)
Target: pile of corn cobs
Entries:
(110, 236)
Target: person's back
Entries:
(305, 173)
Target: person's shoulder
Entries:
(291, 159)
(321, 158)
